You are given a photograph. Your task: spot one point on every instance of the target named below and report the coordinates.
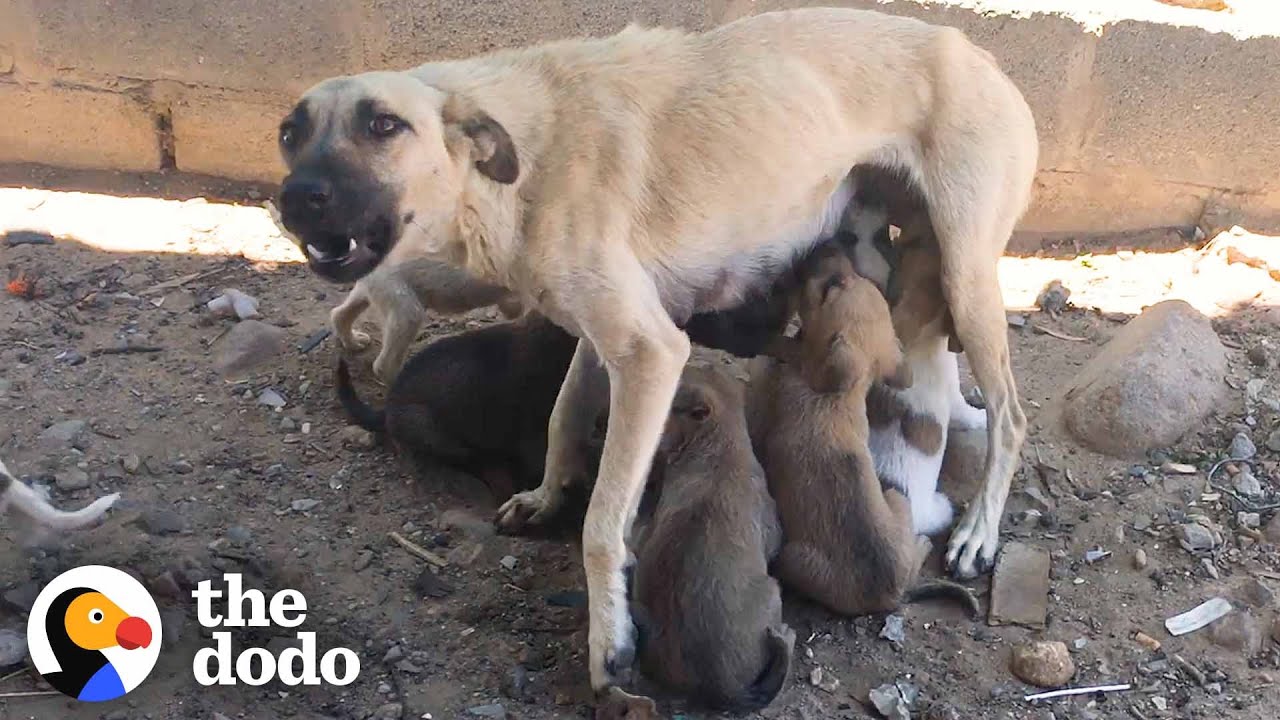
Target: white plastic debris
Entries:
(1077, 691)
(233, 302)
(1198, 617)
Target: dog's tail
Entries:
(780, 642)
(944, 589)
(16, 496)
(373, 420)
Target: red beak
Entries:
(133, 633)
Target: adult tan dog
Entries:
(622, 184)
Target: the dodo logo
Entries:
(94, 633)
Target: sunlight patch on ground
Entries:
(147, 225)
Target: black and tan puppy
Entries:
(711, 617)
(849, 543)
(476, 400)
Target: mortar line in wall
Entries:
(1167, 181)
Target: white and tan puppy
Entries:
(622, 184)
(20, 500)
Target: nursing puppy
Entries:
(909, 425)
(476, 400)
(710, 615)
(849, 541)
(30, 506)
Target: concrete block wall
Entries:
(1141, 123)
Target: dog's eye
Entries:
(385, 125)
(288, 135)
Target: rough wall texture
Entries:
(1141, 124)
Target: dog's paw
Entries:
(383, 371)
(532, 507)
(967, 417)
(612, 644)
(618, 704)
(972, 550)
(359, 340)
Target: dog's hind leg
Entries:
(343, 319)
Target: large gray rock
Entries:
(246, 346)
(1158, 377)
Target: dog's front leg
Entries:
(343, 319)
(572, 419)
(644, 370)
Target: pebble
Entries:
(182, 467)
(65, 434)
(1254, 593)
(492, 710)
(161, 521)
(516, 683)
(238, 535)
(356, 437)
(1258, 355)
(72, 479)
(1195, 537)
(363, 560)
(430, 585)
(823, 680)
(1246, 484)
(508, 562)
(1160, 703)
(1273, 441)
(13, 648)
(1242, 448)
(894, 700)
(395, 654)
(271, 398)
(1210, 568)
(288, 424)
(1140, 559)
(1044, 664)
(390, 711)
(71, 357)
(1251, 520)
(384, 689)
(304, 505)
(894, 630)
(1238, 631)
(248, 344)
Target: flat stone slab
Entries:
(1020, 587)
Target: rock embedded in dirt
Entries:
(1020, 586)
(162, 521)
(1242, 447)
(1273, 441)
(13, 648)
(1253, 592)
(429, 584)
(1045, 664)
(65, 434)
(1194, 537)
(356, 438)
(490, 710)
(304, 505)
(824, 680)
(1140, 559)
(71, 479)
(271, 398)
(1238, 631)
(894, 630)
(1247, 484)
(1158, 377)
(894, 700)
(246, 346)
(390, 711)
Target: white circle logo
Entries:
(94, 633)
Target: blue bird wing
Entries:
(104, 685)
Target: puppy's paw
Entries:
(967, 417)
(618, 704)
(532, 507)
(357, 341)
(972, 550)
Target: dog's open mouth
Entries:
(347, 257)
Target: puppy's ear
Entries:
(492, 148)
(838, 369)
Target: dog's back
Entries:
(710, 614)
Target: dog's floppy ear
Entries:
(492, 148)
(837, 370)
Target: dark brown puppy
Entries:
(710, 616)
(476, 399)
(849, 542)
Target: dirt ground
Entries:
(214, 481)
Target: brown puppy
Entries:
(849, 543)
(710, 615)
(475, 400)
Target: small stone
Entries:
(70, 357)
(65, 434)
(356, 437)
(390, 711)
(430, 585)
(165, 585)
(1246, 484)
(248, 344)
(516, 683)
(288, 424)
(1140, 559)
(894, 630)
(71, 479)
(304, 505)
(1254, 593)
(492, 710)
(131, 464)
(13, 648)
(1079, 644)
(1272, 531)
(1195, 537)
(1160, 703)
(1242, 448)
(182, 467)
(161, 521)
(1273, 441)
(1210, 568)
(1251, 520)
(238, 535)
(823, 680)
(1044, 664)
(1238, 631)
(363, 560)
(1020, 586)
(508, 562)
(889, 702)
(271, 398)
(1259, 356)
(394, 655)
(1174, 468)
(408, 668)
(384, 689)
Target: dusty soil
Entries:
(220, 476)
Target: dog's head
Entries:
(375, 158)
(703, 400)
(846, 338)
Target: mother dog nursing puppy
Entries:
(620, 185)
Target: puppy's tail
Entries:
(363, 415)
(26, 501)
(780, 642)
(944, 589)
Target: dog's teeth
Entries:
(352, 246)
(315, 252)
